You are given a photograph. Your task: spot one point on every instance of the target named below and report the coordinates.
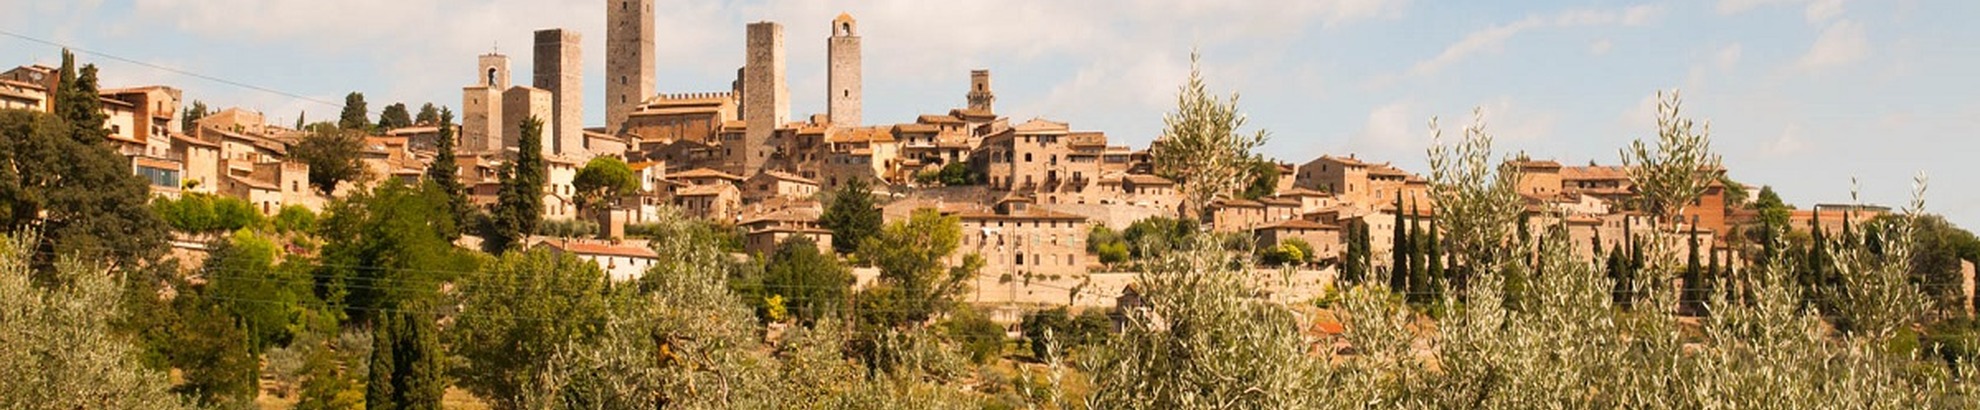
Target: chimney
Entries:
(612, 225)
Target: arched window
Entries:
(491, 76)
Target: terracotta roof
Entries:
(590, 248)
(916, 128)
(1146, 179)
(1301, 192)
(860, 134)
(703, 190)
(1277, 201)
(1029, 213)
(1041, 126)
(788, 214)
(637, 166)
(1348, 161)
(786, 176)
(1598, 172)
(256, 183)
(704, 173)
(1239, 203)
(938, 119)
(1532, 164)
(1387, 170)
(1296, 224)
(194, 141)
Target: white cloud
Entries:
(1787, 144)
(1511, 122)
(1841, 43)
(1600, 47)
(1730, 7)
(1391, 129)
(1727, 57)
(1823, 10)
(1493, 39)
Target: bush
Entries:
(295, 219)
(203, 213)
(568, 228)
(981, 339)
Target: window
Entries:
(1027, 157)
(1020, 259)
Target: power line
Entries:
(339, 106)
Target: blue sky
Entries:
(1801, 94)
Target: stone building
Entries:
(842, 67)
(559, 70)
(1017, 239)
(482, 121)
(681, 117)
(764, 232)
(766, 98)
(981, 99)
(777, 184)
(629, 72)
(522, 103)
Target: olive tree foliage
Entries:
(1476, 197)
(59, 350)
(1677, 170)
(1201, 147)
(1202, 341)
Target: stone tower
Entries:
(559, 70)
(842, 68)
(980, 97)
(481, 105)
(628, 59)
(766, 99)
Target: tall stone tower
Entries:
(842, 80)
(559, 70)
(980, 97)
(628, 59)
(766, 98)
(481, 105)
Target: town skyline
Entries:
(1793, 89)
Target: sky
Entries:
(1817, 98)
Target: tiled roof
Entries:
(591, 248)
(1295, 224)
(704, 173)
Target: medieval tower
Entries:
(481, 105)
(842, 68)
(980, 97)
(559, 70)
(629, 59)
(766, 98)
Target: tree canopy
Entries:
(356, 116)
(519, 202)
(602, 181)
(333, 157)
(851, 215)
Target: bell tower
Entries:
(843, 73)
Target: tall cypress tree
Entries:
(519, 206)
(1436, 262)
(1352, 267)
(77, 101)
(445, 173)
(1399, 252)
(420, 374)
(378, 387)
(1690, 295)
(1419, 279)
(355, 115)
(1619, 287)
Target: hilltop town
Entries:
(1026, 190)
(709, 248)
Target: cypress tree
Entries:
(1419, 278)
(378, 393)
(355, 116)
(1352, 268)
(445, 173)
(420, 373)
(1399, 252)
(299, 119)
(1619, 286)
(519, 206)
(1436, 260)
(76, 101)
(1690, 295)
